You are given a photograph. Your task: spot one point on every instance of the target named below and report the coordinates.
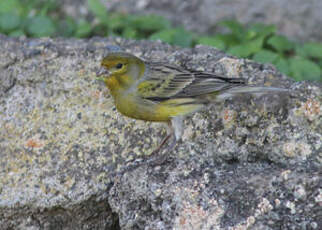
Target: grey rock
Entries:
(253, 161)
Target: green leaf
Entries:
(17, 33)
(98, 9)
(235, 27)
(129, 33)
(83, 29)
(304, 69)
(248, 48)
(320, 63)
(265, 56)
(41, 26)
(240, 51)
(164, 35)
(182, 38)
(300, 51)
(46, 7)
(262, 29)
(229, 39)
(212, 41)
(9, 21)
(149, 23)
(117, 21)
(255, 45)
(313, 49)
(67, 27)
(282, 65)
(174, 36)
(280, 43)
(10, 6)
(250, 35)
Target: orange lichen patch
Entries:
(11, 130)
(82, 72)
(34, 143)
(193, 216)
(311, 108)
(228, 116)
(182, 221)
(96, 94)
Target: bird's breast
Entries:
(139, 108)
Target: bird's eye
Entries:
(119, 66)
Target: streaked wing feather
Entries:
(163, 82)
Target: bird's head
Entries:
(121, 69)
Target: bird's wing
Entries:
(162, 82)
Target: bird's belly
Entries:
(149, 111)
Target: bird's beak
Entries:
(102, 73)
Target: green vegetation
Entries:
(258, 42)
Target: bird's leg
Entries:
(165, 139)
(172, 144)
(174, 130)
(153, 157)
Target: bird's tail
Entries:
(258, 90)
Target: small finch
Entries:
(159, 92)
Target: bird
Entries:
(162, 92)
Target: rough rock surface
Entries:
(253, 161)
(299, 20)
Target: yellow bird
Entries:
(159, 92)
